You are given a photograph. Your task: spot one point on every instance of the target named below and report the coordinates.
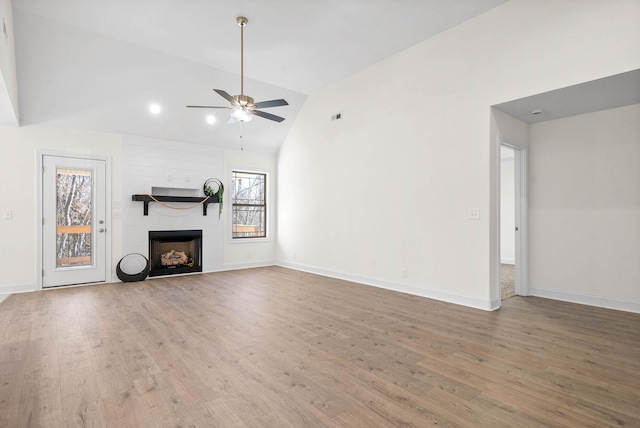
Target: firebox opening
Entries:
(175, 251)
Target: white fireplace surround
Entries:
(152, 166)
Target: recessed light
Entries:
(155, 108)
(211, 119)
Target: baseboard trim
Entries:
(586, 299)
(458, 299)
(247, 265)
(7, 291)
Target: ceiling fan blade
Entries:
(271, 103)
(268, 115)
(226, 96)
(207, 107)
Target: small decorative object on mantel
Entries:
(214, 187)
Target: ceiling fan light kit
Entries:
(242, 106)
(241, 115)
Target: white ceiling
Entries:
(294, 44)
(97, 64)
(602, 94)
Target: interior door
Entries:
(513, 231)
(508, 222)
(74, 247)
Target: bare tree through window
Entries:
(74, 209)
(249, 206)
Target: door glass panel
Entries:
(74, 212)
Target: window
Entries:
(249, 205)
(74, 212)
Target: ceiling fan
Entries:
(242, 106)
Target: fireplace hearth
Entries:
(174, 252)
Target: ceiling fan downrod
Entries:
(242, 21)
(242, 106)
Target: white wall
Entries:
(509, 130)
(251, 252)
(9, 112)
(387, 189)
(184, 167)
(507, 206)
(584, 208)
(138, 164)
(18, 194)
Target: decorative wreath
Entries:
(125, 277)
(218, 191)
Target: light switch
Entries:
(7, 214)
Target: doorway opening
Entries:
(513, 213)
(507, 222)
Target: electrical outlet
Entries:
(474, 213)
(7, 214)
(405, 273)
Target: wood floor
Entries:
(273, 347)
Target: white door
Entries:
(74, 246)
(513, 222)
(521, 206)
(508, 222)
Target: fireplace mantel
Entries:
(147, 199)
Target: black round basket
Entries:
(125, 277)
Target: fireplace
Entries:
(173, 252)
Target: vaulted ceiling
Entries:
(98, 64)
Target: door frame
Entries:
(521, 221)
(40, 214)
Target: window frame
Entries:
(265, 206)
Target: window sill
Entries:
(249, 240)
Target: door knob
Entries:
(100, 230)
